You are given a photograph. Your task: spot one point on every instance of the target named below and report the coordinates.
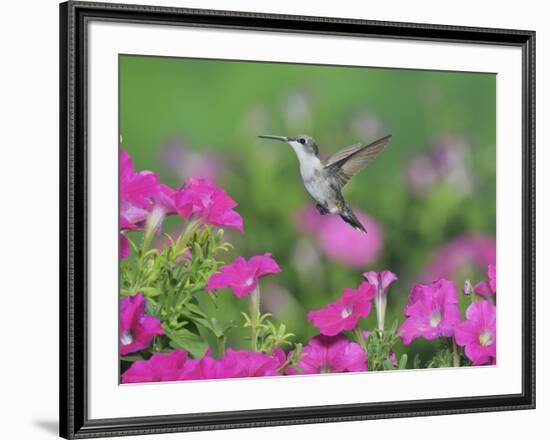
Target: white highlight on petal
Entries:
(348, 310)
(249, 281)
(435, 318)
(127, 338)
(485, 338)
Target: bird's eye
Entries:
(302, 140)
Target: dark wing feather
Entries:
(346, 163)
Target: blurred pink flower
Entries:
(136, 328)
(344, 313)
(488, 288)
(478, 333)
(467, 251)
(450, 155)
(182, 160)
(277, 299)
(420, 174)
(137, 190)
(242, 276)
(380, 281)
(201, 198)
(339, 241)
(160, 367)
(331, 354)
(432, 311)
(447, 161)
(308, 219)
(367, 125)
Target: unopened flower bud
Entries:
(467, 289)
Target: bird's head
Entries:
(301, 143)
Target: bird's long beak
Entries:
(277, 138)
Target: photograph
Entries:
(286, 219)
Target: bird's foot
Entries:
(322, 210)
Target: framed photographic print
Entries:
(272, 219)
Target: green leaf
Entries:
(135, 249)
(417, 363)
(191, 342)
(195, 309)
(132, 357)
(403, 362)
(150, 291)
(387, 365)
(169, 238)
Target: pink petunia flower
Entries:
(124, 247)
(136, 328)
(124, 244)
(393, 359)
(235, 363)
(199, 197)
(331, 354)
(165, 199)
(125, 225)
(242, 276)
(478, 333)
(488, 288)
(208, 368)
(137, 190)
(381, 281)
(252, 363)
(339, 241)
(160, 367)
(463, 253)
(432, 311)
(344, 313)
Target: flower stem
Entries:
(456, 355)
(154, 220)
(380, 301)
(360, 339)
(254, 308)
(183, 240)
(221, 346)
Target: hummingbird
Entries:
(324, 179)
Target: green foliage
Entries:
(268, 335)
(171, 279)
(379, 346)
(442, 359)
(447, 356)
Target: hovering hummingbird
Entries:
(324, 180)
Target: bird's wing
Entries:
(346, 163)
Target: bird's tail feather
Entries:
(349, 217)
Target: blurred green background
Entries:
(432, 192)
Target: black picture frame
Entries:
(74, 420)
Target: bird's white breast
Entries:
(309, 165)
(311, 169)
